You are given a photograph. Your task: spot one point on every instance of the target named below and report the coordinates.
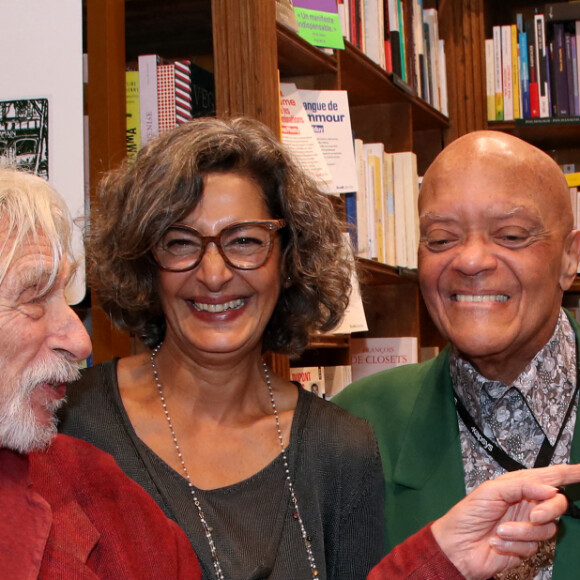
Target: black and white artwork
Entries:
(24, 134)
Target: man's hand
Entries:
(502, 521)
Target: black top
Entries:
(334, 464)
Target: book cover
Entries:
(498, 73)
(371, 355)
(529, 29)
(443, 78)
(299, 137)
(329, 116)
(133, 122)
(318, 22)
(310, 378)
(374, 228)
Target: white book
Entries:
(148, 100)
(489, 79)
(329, 116)
(370, 204)
(498, 73)
(507, 73)
(374, 28)
(431, 18)
(400, 209)
(362, 236)
(299, 137)
(443, 78)
(390, 241)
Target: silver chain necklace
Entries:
(207, 529)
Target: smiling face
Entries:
(496, 250)
(41, 340)
(215, 308)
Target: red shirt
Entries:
(71, 513)
(417, 558)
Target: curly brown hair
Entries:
(141, 199)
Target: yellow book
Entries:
(516, 73)
(573, 179)
(132, 111)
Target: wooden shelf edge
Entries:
(372, 273)
(297, 57)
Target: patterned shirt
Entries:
(518, 417)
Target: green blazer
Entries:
(412, 411)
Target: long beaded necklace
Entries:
(206, 528)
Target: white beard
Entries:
(20, 430)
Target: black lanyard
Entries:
(501, 457)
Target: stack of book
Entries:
(533, 65)
(162, 94)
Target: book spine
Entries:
(147, 65)
(515, 72)
(524, 75)
(542, 62)
(133, 124)
(182, 91)
(507, 79)
(575, 76)
(498, 73)
(570, 68)
(166, 97)
(489, 79)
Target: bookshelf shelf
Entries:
(247, 49)
(296, 57)
(367, 83)
(548, 134)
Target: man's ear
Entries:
(570, 259)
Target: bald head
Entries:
(497, 249)
(499, 157)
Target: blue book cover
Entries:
(350, 211)
(524, 75)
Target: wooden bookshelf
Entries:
(247, 50)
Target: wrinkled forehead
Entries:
(27, 258)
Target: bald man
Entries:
(497, 252)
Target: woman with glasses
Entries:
(214, 248)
